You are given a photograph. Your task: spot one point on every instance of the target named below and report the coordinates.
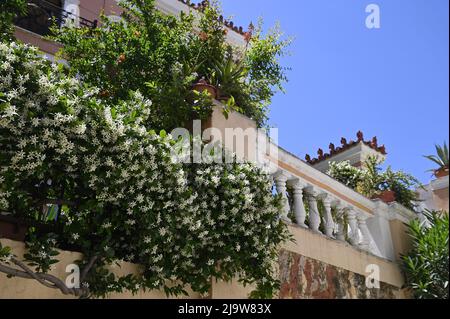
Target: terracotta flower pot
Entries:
(222, 97)
(441, 172)
(12, 228)
(202, 86)
(386, 196)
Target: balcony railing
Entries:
(41, 15)
(315, 201)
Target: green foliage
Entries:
(41, 252)
(228, 76)
(402, 184)
(9, 9)
(5, 252)
(441, 157)
(370, 180)
(266, 74)
(427, 265)
(372, 177)
(123, 196)
(162, 56)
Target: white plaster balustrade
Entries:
(344, 214)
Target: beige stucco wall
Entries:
(31, 289)
(307, 243)
(36, 40)
(440, 197)
(400, 237)
(237, 132)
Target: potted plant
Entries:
(202, 85)
(228, 76)
(400, 187)
(441, 159)
(387, 196)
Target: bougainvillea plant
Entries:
(121, 194)
(162, 56)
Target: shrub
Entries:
(427, 264)
(162, 56)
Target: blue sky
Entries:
(390, 82)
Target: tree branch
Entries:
(88, 268)
(47, 280)
(31, 273)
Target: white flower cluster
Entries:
(182, 223)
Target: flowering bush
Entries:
(120, 194)
(345, 173)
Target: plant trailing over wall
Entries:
(427, 264)
(120, 195)
(163, 56)
(370, 180)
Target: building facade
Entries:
(334, 253)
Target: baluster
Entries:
(280, 183)
(365, 240)
(353, 223)
(328, 217)
(314, 216)
(340, 222)
(299, 207)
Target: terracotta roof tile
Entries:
(373, 144)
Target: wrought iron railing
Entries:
(41, 15)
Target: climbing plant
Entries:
(120, 193)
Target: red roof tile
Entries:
(373, 144)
